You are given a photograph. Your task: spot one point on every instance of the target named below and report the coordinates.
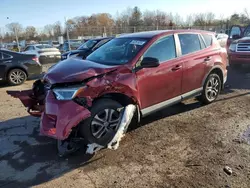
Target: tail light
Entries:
(36, 59)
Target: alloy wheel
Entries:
(17, 77)
(104, 122)
(212, 88)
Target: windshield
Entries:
(87, 45)
(118, 51)
(247, 32)
(44, 46)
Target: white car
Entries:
(46, 53)
(222, 39)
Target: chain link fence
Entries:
(114, 30)
(99, 31)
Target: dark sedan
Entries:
(86, 48)
(15, 67)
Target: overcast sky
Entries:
(41, 12)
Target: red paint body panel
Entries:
(60, 117)
(194, 71)
(160, 83)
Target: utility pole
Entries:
(67, 30)
(15, 32)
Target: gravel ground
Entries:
(187, 145)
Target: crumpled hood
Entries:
(75, 69)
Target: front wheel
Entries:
(211, 89)
(101, 127)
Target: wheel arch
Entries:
(123, 99)
(16, 67)
(218, 70)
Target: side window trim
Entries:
(165, 36)
(202, 41)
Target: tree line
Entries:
(129, 20)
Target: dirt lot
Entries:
(187, 145)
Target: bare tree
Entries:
(57, 28)
(30, 32)
(209, 18)
(178, 20)
(49, 30)
(190, 20)
(15, 27)
(149, 18)
(247, 14)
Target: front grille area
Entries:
(243, 47)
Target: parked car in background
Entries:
(222, 39)
(86, 48)
(239, 46)
(51, 43)
(150, 70)
(46, 53)
(74, 44)
(15, 68)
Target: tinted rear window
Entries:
(208, 39)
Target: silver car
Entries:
(46, 53)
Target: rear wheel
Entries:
(16, 77)
(211, 89)
(101, 127)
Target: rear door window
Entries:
(189, 43)
(163, 49)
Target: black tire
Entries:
(16, 77)
(206, 97)
(87, 127)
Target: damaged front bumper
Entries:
(57, 117)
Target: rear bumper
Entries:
(48, 59)
(239, 57)
(59, 117)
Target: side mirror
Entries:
(149, 62)
(235, 37)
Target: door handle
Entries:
(207, 59)
(176, 68)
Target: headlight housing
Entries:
(66, 93)
(232, 47)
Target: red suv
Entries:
(151, 70)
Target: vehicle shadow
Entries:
(28, 159)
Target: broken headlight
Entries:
(66, 93)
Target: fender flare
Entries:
(212, 69)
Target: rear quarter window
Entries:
(208, 39)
